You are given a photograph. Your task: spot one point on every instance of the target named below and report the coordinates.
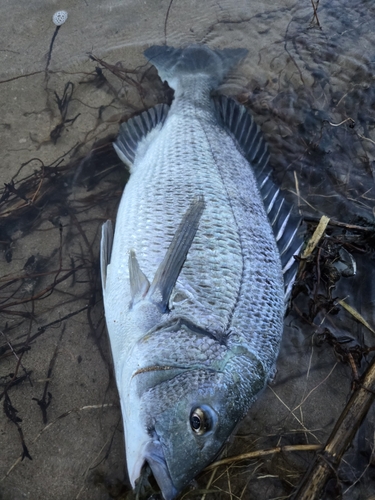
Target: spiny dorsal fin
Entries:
(242, 127)
(105, 249)
(135, 129)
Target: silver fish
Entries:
(195, 276)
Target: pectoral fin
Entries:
(139, 283)
(170, 268)
(160, 290)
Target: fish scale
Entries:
(259, 309)
(196, 274)
(161, 212)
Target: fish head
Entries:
(181, 424)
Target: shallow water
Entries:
(311, 88)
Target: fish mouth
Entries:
(152, 454)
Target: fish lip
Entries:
(153, 454)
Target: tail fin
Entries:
(172, 64)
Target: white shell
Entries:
(60, 17)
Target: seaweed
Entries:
(322, 158)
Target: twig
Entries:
(316, 237)
(327, 462)
(352, 122)
(315, 7)
(293, 415)
(166, 20)
(311, 245)
(213, 474)
(262, 453)
(356, 315)
(366, 138)
(332, 222)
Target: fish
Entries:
(197, 271)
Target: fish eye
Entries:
(200, 421)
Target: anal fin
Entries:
(135, 129)
(105, 250)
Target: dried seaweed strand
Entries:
(46, 399)
(41, 330)
(65, 414)
(356, 315)
(262, 453)
(48, 290)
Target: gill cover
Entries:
(190, 411)
(190, 429)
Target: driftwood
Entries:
(328, 460)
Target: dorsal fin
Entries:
(242, 127)
(135, 129)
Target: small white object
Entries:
(60, 17)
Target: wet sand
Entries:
(310, 88)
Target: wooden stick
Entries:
(316, 237)
(326, 463)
